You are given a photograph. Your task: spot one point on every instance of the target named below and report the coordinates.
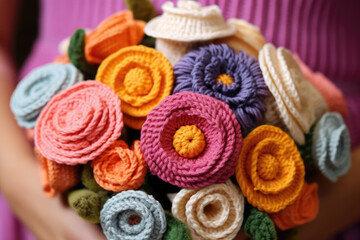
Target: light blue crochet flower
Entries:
(37, 88)
(331, 146)
(133, 215)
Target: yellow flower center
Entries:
(268, 167)
(225, 79)
(138, 82)
(189, 141)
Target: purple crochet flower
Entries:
(217, 71)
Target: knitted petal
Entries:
(88, 180)
(259, 226)
(191, 140)
(213, 212)
(38, 87)
(141, 77)
(236, 79)
(79, 124)
(133, 215)
(176, 229)
(270, 170)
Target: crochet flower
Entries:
(117, 31)
(303, 210)
(270, 170)
(331, 146)
(79, 124)
(56, 177)
(258, 226)
(176, 229)
(120, 168)
(142, 77)
(132, 215)
(213, 212)
(295, 104)
(333, 95)
(36, 89)
(236, 79)
(191, 140)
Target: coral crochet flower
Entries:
(120, 168)
(295, 104)
(132, 215)
(331, 146)
(270, 170)
(117, 31)
(56, 177)
(141, 76)
(236, 79)
(303, 210)
(213, 212)
(191, 140)
(79, 124)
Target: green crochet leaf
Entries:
(76, 54)
(259, 226)
(87, 179)
(306, 150)
(176, 229)
(141, 9)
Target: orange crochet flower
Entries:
(141, 76)
(270, 170)
(62, 59)
(303, 210)
(57, 177)
(120, 168)
(118, 31)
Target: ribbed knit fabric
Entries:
(259, 226)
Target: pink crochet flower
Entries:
(191, 140)
(79, 123)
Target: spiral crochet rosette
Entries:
(236, 79)
(191, 140)
(213, 212)
(331, 146)
(141, 77)
(133, 215)
(297, 104)
(36, 89)
(120, 168)
(270, 170)
(79, 124)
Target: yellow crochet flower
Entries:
(141, 77)
(270, 170)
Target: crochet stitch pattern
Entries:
(242, 86)
(259, 226)
(141, 77)
(56, 177)
(161, 135)
(270, 170)
(213, 212)
(133, 215)
(331, 146)
(303, 210)
(88, 180)
(38, 87)
(117, 31)
(176, 229)
(120, 168)
(79, 124)
(297, 102)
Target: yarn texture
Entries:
(88, 180)
(247, 37)
(133, 215)
(141, 77)
(117, 31)
(120, 168)
(191, 140)
(303, 210)
(306, 151)
(56, 177)
(331, 148)
(38, 87)
(270, 170)
(176, 229)
(79, 124)
(298, 104)
(189, 22)
(236, 79)
(259, 226)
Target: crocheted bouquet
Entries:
(211, 131)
